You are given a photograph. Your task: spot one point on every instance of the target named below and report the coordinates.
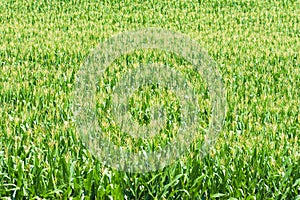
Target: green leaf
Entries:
(217, 195)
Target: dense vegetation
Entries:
(256, 47)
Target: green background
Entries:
(256, 47)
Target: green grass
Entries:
(256, 46)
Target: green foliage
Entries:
(256, 47)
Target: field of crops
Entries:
(256, 47)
